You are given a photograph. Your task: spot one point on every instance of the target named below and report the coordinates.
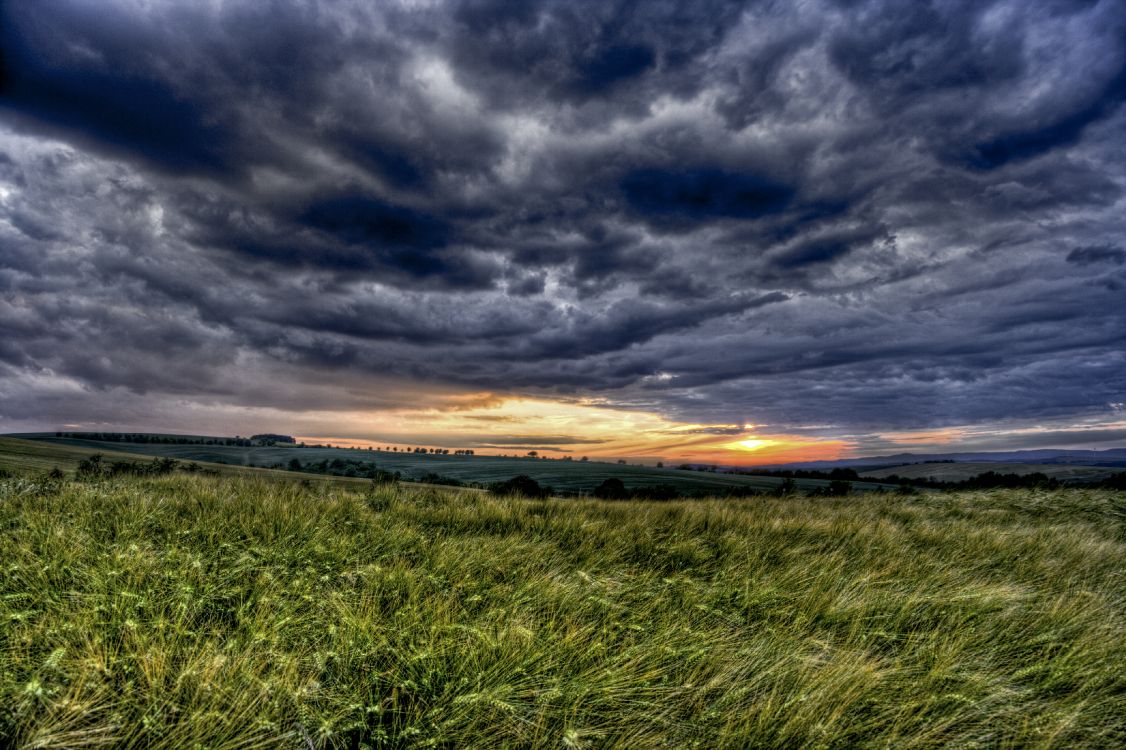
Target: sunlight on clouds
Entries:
(753, 444)
(583, 427)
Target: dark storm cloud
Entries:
(703, 194)
(875, 214)
(1089, 254)
(579, 51)
(1056, 130)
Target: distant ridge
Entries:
(1108, 457)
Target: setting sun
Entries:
(754, 444)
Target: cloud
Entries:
(878, 215)
(703, 193)
(1092, 254)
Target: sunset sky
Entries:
(723, 232)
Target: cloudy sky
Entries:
(734, 231)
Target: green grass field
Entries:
(23, 456)
(563, 476)
(242, 612)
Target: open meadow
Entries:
(238, 612)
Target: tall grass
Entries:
(214, 612)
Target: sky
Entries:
(730, 232)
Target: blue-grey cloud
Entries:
(871, 214)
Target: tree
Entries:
(532, 454)
(660, 464)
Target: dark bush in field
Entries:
(432, 478)
(91, 468)
(95, 467)
(1116, 482)
(656, 492)
(342, 467)
(611, 489)
(522, 485)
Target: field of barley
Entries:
(241, 612)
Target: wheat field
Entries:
(226, 612)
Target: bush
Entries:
(92, 468)
(1115, 482)
(522, 485)
(611, 489)
(432, 478)
(656, 492)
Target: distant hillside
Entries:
(1109, 457)
(963, 470)
(568, 477)
(19, 455)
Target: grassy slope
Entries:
(25, 456)
(224, 612)
(957, 472)
(31, 456)
(565, 476)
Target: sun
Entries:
(754, 444)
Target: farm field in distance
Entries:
(241, 611)
(564, 476)
(944, 471)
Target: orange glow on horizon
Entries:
(498, 426)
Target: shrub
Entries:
(522, 485)
(92, 468)
(611, 489)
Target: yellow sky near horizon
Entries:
(581, 428)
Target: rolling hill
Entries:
(21, 455)
(963, 470)
(568, 477)
(1109, 457)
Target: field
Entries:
(240, 612)
(30, 456)
(962, 470)
(564, 476)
